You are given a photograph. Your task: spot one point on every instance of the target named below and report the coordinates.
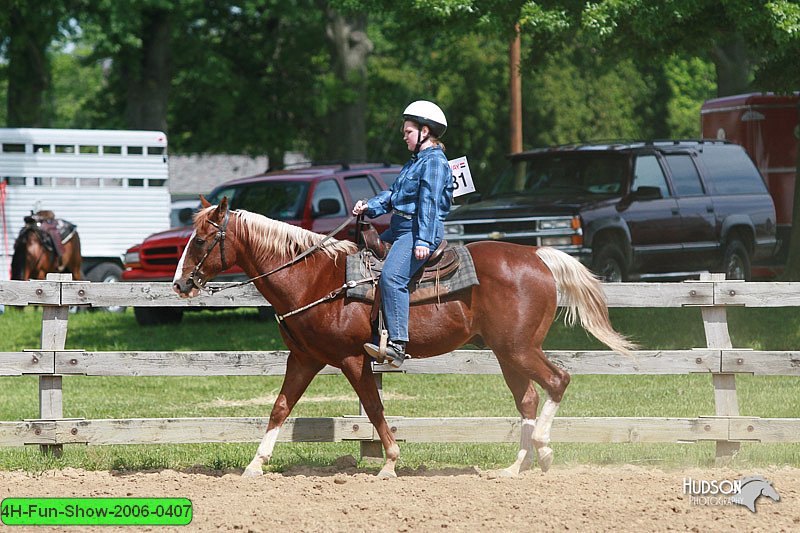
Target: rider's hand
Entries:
(360, 207)
(421, 252)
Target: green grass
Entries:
(443, 395)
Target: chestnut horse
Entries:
(33, 260)
(510, 312)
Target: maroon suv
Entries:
(317, 198)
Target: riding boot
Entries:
(395, 353)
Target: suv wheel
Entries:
(736, 262)
(106, 273)
(609, 263)
(154, 316)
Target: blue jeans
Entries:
(399, 267)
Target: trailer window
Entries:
(65, 149)
(155, 150)
(135, 150)
(41, 149)
(14, 148)
(135, 182)
(89, 149)
(112, 150)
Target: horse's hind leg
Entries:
(527, 401)
(298, 376)
(535, 365)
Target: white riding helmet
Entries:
(428, 114)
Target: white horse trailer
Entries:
(113, 185)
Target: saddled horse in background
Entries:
(510, 311)
(36, 253)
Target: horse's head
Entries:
(208, 251)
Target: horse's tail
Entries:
(582, 296)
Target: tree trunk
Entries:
(792, 270)
(733, 65)
(147, 75)
(350, 48)
(28, 65)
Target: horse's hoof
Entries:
(386, 474)
(505, 472)
(252, 472)
(545, 458)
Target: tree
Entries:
(136, 37)
(28, 29)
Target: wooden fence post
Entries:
(54, 337)
(715, 323)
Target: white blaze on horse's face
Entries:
(179, 280)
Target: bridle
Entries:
(197, 280)
(195, 276)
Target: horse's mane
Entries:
(270, 238)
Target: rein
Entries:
(220, 237)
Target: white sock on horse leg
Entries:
(541, 435)
(267, 445)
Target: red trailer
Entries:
(766, 125)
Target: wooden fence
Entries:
(719, 359)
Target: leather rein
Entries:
(219, 238)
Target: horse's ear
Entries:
(204, 202)
(219, 213)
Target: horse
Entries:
(35, 252)
(510, 311)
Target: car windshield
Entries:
(278, 200)
(560, 173)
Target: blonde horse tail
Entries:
(582, 296)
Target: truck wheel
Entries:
(609, 263)
(106, 273)
(154, 316)
(266, 313)
(736, 261)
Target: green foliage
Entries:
(691, 82)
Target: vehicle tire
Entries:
(154, 316)
(266, 313)
(609, 263)
(736, 261)
(106, 273)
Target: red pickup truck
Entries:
(317, 198)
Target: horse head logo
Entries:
(752, 488)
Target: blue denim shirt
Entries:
(423, 189)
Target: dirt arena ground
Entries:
(342, 498)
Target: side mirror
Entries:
(646, 192)
(328, 206)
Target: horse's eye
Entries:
(199, 242)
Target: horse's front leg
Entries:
(298, 376)
(358, 372)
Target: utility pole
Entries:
(515, 105)
(515, 92)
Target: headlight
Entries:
(131, 258)
(558, 223)
(454, 229)
(556, 241)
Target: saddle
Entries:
(441, 263)
(56, 231)
(448, 269)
